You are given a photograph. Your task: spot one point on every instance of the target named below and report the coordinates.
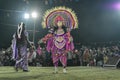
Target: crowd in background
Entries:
(94, 54)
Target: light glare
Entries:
(26, 16)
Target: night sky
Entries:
(99, 20)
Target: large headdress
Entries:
(21, 27)
(56, 14)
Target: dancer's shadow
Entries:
(12, 72)
(29, 77)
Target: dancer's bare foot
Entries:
(16, 69)
(56, 70)
(64, 70)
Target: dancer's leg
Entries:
(63, 60)
(55, 59)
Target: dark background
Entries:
(99, 20)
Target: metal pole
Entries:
(34, 32)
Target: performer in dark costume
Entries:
(19, 47)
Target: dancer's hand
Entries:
(66, 51)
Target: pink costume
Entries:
(60, 21)
(59, 48)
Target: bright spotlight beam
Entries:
(26, 16)
(34, 14)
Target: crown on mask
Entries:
(59, 18)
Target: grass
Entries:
(73, 73)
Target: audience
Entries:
(92, 54)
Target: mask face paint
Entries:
(19, 30)
(59, 23)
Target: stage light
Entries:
(117, 6)
(34, 14)
(26, 16)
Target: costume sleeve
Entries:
(49, 44)
(27, 37)
(14, 48)
(69, 43)
(46, 40)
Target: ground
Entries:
(73, 73)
